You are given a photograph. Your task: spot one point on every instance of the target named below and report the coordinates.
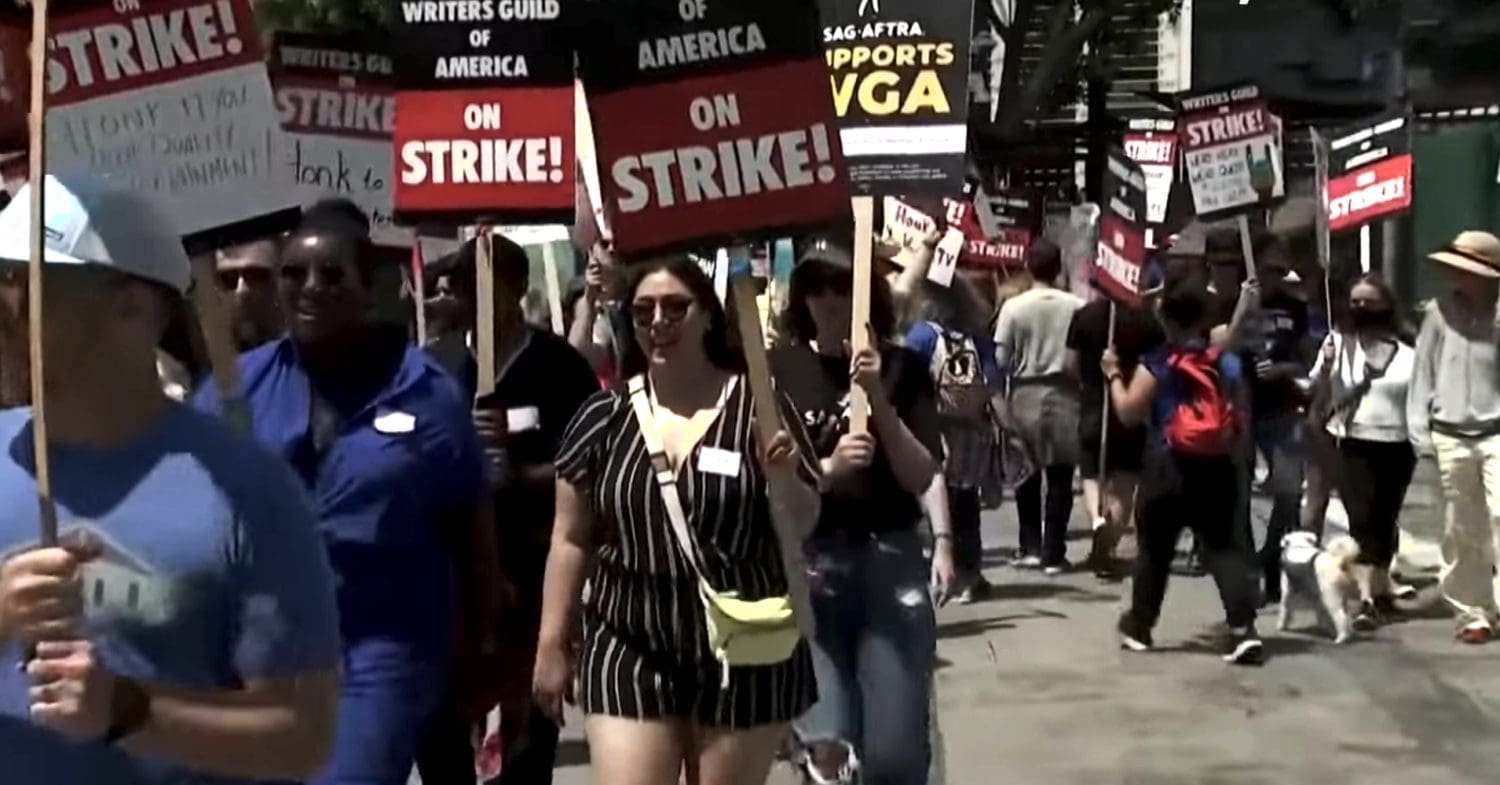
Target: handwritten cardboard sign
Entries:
(1122, 236)
(172, 97)
(900, 71)
(706, 126)
(1370, 172)
(484, 114)
(1232, 151)
(335, 100)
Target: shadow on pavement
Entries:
(572, 752)
(970, 627)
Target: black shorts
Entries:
(1126, 447)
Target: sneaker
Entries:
(1054, 570)
(976, 590)
(1245, 648)
(1476, 633)
(1133, 636)
(1027, 562)
(1367, 619)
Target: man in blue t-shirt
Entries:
(184, 632)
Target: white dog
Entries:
(1319, 578)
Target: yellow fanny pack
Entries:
(740, 632)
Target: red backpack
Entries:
(1203, 420)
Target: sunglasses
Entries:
(328, 274)
(673, 309)
(251, 276)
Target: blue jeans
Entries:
(1279, 438)
(873, 652)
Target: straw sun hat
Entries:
(1473, 252)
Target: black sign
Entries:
(446, 44)
(1368, 142)
(1122, 237)
(625, 43)
(900, 72)
(319, 55)
(1010, 208)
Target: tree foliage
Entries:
(346, 17)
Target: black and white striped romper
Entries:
(645, 653)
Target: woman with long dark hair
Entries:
(661, 501)
(1367, 368)
(875, 638)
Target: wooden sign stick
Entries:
(554, 286)
(484, 311)
(859, 314)
(418, 270)
(1109, 341)
(37, 128)
(789, 533)
(1247, 247)
(218, 341)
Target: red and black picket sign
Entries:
(712, 121)
(1122, 235)
(484, 112)
(1231, 149)
(1369, 172)
(1001, 244)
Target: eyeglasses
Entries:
(328, 274)
(251, 276)
(673, 309)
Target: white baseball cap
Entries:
(93, 221)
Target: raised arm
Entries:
(1420, 394)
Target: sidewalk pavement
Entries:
(1032, 689)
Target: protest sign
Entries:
(1369, 172)
(1320, 190)
(171, 97)
(706, 127)
(1000, 227)
(945, 257)
(484, 111)
(1231, 150)
(900, 71)
(905, 226)
(15, 70)
(336, 102)
(1156, 152)
(1122, 235)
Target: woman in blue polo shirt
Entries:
(383, 439)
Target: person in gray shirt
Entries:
(1031, 347)
(1453, 412)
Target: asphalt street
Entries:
(1032, 689)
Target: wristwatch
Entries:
(129, 710)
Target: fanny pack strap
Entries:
(666, 477)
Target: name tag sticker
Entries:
(391, 421)
(525, 418)
(712, 460)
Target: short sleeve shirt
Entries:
(402, 464)
(870, 500)
(211, 572)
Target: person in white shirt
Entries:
(1031, 347)
(1367, 369)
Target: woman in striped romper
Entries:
(656, 699)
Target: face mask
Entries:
(1363, 318)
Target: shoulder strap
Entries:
(661, 467)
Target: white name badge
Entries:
(525, 418)
(391, 421)
(712, 460)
